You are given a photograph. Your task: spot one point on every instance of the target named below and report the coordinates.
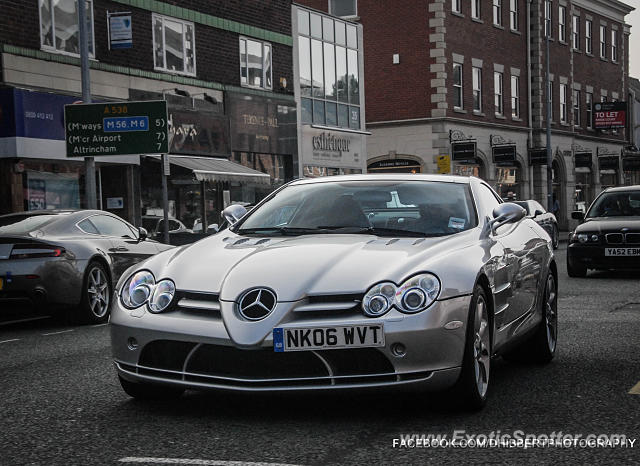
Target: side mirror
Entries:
(233, 213)
(142, 234)
(507, 212)
(577, 215)
(537, 212)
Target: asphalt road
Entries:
(61, 404)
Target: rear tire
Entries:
(96, 295)
(576, 271)
(473, 384)
(147, 391)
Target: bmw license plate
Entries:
(314, 338)
(622, 252)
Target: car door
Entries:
(126, 249)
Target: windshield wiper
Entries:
(379, 231)
(283, 231)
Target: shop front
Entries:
(396, 165)
(584, 189)
(608, 168)
(328, 152)
(464, 156)
(631, 166)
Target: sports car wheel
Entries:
(96, 295)
(576, 271)
(473, 384)
(145, 391)
(555, 237)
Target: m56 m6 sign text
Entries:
(121, 128)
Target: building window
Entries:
(455, 6)
(329, 71)
(475, 9)
(550, 99)
(343, 8)
(174, 45)
(589, 104)
(575, 33)
(547, 18)
(562, 23)
(603, 41)
(513, 15)
(614, 45)
(497, 12)
(477, 89)
(515, 97)
(255, 63)
(457, 86)
(563, 103)
(59, 31)
(498, 93)
(588, 43)
(576, 108)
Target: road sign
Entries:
(444, 164)
(116, 128)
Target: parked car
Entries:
(543, 218)
(312, 289)
(609, 234)
(68, 258)
(154, 224)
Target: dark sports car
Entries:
(609, 235)
(543, 218)
(69, 259)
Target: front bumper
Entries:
(194, 350)
(592, 256)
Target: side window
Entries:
(173, 225)
(87, 227)
(487, 199)
(537, 206)
(110, 226)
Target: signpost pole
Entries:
(165, 198)
(89, 162)
(549, 154)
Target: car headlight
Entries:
(137, 289)
(417, 293)
(582, 237)
(162, 296)
(414, 295)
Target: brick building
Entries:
(448, 89)
(225, 69)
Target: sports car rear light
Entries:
(30, 251)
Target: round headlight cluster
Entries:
(414, 295)
(141, 288)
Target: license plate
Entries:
(622, 252)
(313, 338)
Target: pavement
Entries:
(61, 403)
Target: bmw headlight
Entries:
(379, 299)
(417, 293)
(162, 296)
(583, 238)
(137, 289)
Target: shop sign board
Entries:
(583, 159)
(117, 128)
(504, 155)
(338, 149)
(607, 115)
(464, 152)
(538, 156)
(120, 30)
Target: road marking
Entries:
(28, 319)
(134, 459)
(635, 390)
(58, 333)
(101, 325)
(7, 341)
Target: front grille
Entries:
(614, 238)
(216, 365)
(198, 303)
(632, 238)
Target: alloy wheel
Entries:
(551, 312)
(98, 292)
(481, 346)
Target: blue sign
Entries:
(125, 124)
(120, 31)
(278, 340)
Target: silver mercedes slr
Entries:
(345, 282)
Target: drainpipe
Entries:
(529, 94)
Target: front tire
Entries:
(147, 391)
(96, 295)
(473, 384)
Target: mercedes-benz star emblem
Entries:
(257, 303)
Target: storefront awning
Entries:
(215, 169)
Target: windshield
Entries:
(616, 204)
(23, 224)
(380, 207)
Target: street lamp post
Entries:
(548, 27)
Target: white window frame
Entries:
(497, 12)
(476, 82)
(515, 96)
(264, 75)
(476, 9)
(589, 104)
(548, 18)
(576, 108)
(164, 68)
(588, 36)
(603, 41)
(514, 12)
(348, 16)
(563, 103)
(48, 48)
(458, 87)
(614, 45)
(498, 93)
(575, 32)
(456, 6)
(562, 23)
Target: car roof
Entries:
(618, 189)
(387, 177)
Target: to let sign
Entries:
(607, 115)
(122, 128)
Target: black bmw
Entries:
(609, 235)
